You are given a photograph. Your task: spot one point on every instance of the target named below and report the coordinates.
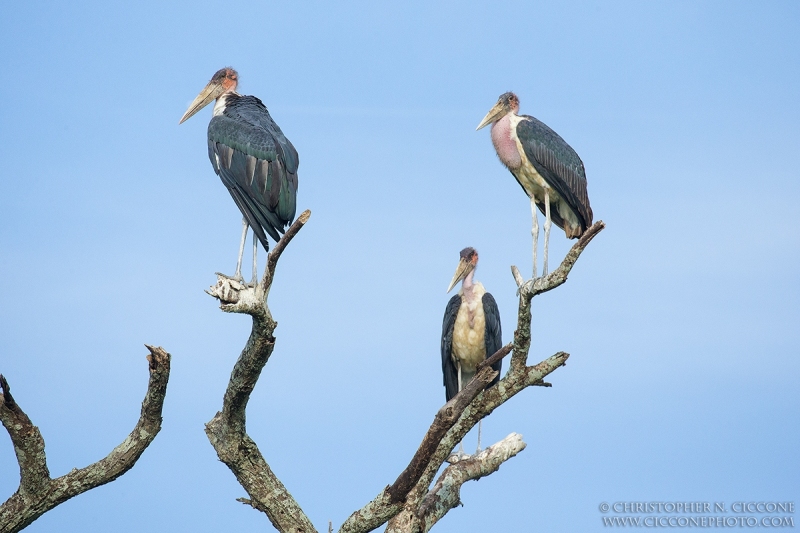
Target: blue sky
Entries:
(681, 318)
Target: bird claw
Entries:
(227, 289)
(458, 456)
(236, 277)
(526, 287)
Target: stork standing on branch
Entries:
(471, 331)
(548, 169)
(252, 157)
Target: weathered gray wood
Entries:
(227, 431)
(404, 517)
(38, 493)
(446, 492)
(409, 504)
(445, 418)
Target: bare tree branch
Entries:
(227, 430)
(389, 502)
(28, 444)
(383, 508)
(408, 504)
(481, 407)
(522, 336)
(446, 492)
(559, 275)
(442, 422)
(38, 493)
(272, 260)
(388, 505)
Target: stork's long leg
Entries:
(238, 275)
(255, 262)
(547, 224)
(534, 232)
(461, 453)
(479, 437)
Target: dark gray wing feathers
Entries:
(449, 370)
(257, 164)
(493, 337)
(558, 164)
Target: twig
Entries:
(275, 254)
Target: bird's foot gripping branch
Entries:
(227, 289)
(237, 297)
(530, 288)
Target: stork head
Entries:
(507, 103)
(466, 264)
(224, 81)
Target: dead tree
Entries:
(38, 492)
(409, 504)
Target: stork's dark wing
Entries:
(493, 336)
(558, 164)
(257, 164)
(449, 370)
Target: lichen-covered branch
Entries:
(38, 493)
(404, 516)
(446, 492)
(492, 398)
(389, 502)
(227, 431)
(442, 422)
(28, 444)
(522, 336)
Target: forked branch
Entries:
(408, 515)
(38, 492)
(409, 504)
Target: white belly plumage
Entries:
(469, 346)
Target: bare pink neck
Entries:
(467, 284)
(504, 143)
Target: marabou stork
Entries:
(547, 168)
(470, 331)
(252, 157)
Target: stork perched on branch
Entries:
(252, 157)
(471, 331)
(547, 168)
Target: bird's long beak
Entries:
(211, 92)
(464, 267)
(494, 114)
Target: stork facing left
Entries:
(471, 332)
(252, 157)
(547, 168)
